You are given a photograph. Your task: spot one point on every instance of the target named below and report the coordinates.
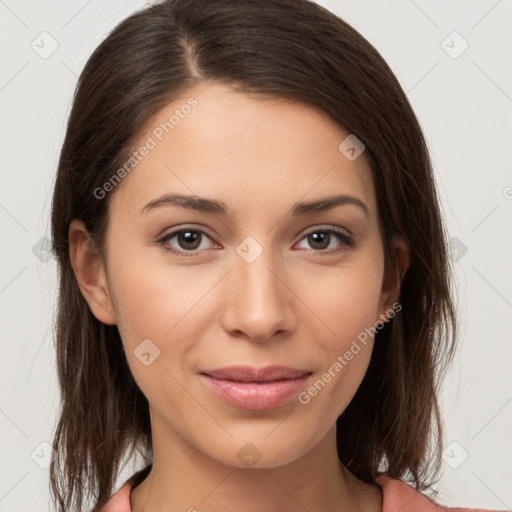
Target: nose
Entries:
(259, 303)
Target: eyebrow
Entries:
(203, 204)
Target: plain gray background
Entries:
(463, 99)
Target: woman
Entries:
(254, 273)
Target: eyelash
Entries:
(347, 241)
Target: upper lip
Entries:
(249, 374)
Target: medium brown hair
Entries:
(290, 49)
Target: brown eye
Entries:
(187, 240)
(321, 239)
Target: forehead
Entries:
(251, 152)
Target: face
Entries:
(260, 284)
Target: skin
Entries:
(290, 306)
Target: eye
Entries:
(188, 239)
(321, 239)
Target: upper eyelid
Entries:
(204, 230)
(176, 231)
(327, 228)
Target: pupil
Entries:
(187, 237)
(322, 236)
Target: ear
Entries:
(394, 274)
(90, 272)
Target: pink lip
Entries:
(253, 389)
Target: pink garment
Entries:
(398, 496)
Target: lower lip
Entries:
(253, 396)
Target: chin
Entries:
(259, 452)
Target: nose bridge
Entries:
(257, 276)
(259, 303)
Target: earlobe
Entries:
(394, 276)
(90, 273)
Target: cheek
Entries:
(348, 307)
(154, 301)
(345, 298)
(168, 305)
(154, 306)
(345, 358)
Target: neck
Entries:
(183, 478)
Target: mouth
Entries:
(255, 389)
(249, 374)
